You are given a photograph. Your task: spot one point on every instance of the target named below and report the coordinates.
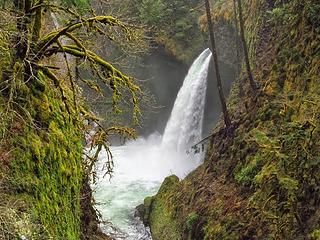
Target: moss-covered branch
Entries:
(116, 78)
(57, 83)
(53, 36)
(37, 24)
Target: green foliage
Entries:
(286, 139)
(174, 25)
(192, 220)
(82, 5)
(247, 173)
(281, 15)
(315, 235)
(284, 13)
(151, 11)
(278, 171)
(313, 15)
(222, 230)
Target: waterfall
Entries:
(184, 127)
(141, 165)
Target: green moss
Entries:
(315, 235)
(191, 220)
(221, 230)
(47, 166)
(162, 223)
(247, 172)
(147, 205)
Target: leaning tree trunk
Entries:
(22, 46)
(37, 23)
(226, 117)
(245, 49)
(22, 7)
(237, 45)
(236, 24)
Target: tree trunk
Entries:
(226, 117)
(4, 4)
(239, 60)
(24, 39)
(245, 49)
(22, 36)
(236, 36)
(37, 24)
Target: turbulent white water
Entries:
(184, 127)
(141, 165)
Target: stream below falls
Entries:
(140, 167)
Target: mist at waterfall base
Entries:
(141, 165)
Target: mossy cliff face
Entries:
(260, 179)
(45, 164)
(42, 180)
(44, 188)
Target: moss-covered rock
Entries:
(144, 209)
(159, 211)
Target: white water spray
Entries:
(184, 127)
(141, 165)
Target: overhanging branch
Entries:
(53, 36)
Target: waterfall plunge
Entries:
(141, 165)
(184, 127)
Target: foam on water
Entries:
(141, 165)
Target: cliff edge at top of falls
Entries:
(260, 178)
